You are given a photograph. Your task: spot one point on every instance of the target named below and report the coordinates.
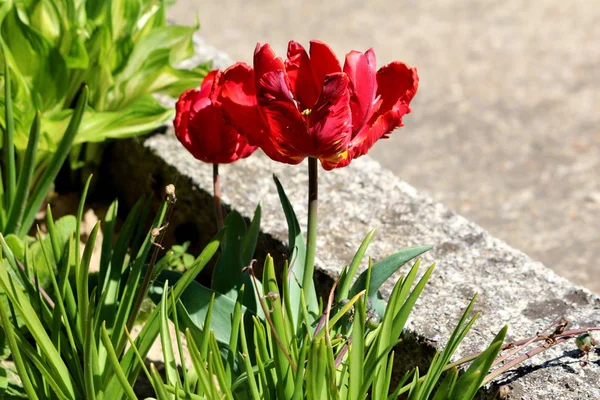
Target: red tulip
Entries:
(311, 107)
(202, 124)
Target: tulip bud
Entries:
(585, 342)
(373, 321)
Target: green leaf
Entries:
(357, 352)
(316, 371)
(116, 367)
(283, 366)
(384, 269)
(344, 286)
(37, 330)
(110, 221)
(165, 339)
(17, 357)
(153, 52)
(251, 237)
(447, 385)
(130, 364)
(248, 365)
(467, 385)
(228, 275)
(297, 260)
(194, 305)
(8, 146)
(51, 171)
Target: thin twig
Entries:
(520, 359)
(160, 235)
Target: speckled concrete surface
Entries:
(506, 125)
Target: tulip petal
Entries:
(208, 82)
(182, 116)
(299, 72)
(265, 60)
(396, 82)
(238, 98)
(330, 123)
(396, 86)
(360, 68)
(202, 127)
(322, 61)
(287, 135)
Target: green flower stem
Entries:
(311, 236)
(217, 196)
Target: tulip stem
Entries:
(311, 235)
(217, 196)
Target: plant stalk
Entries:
(159, 235)
(311, 234)
(217, 196)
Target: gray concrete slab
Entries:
(512, 288)
(506, 125)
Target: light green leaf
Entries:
(385, 268)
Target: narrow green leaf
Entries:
(83, 291)
(91, 369)
(158, 384)
(357, 352)
(37, 330)
(172, 374)
(248, 365)
(126, 312)
(467, 385)
(80, 217)
(130, 364)
(186, 384)
(9, 147)
(316, 371)
(301, 363)
(106, 253)
(17, 207)
(344, 285)
(116, 367)
(219, 368)
(415, 385)
(385, 268)
(51, 171)
(251, 237)
(285, 384)
(297, 260)
(199, 363)
(112, 283)
(38, 369)
(206, 328)
(236, 321)
(15, 350)
(447, 386)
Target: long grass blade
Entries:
(59, 157)
(9, 144)
(15, 350)
(17, 206)
(114, 363)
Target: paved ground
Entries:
(506, 125)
